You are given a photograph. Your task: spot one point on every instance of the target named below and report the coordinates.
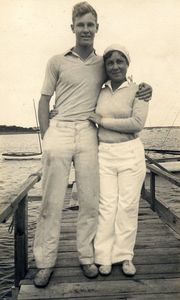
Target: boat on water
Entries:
(171, 166)
(167, 164)
(21, 155)
(25, 155)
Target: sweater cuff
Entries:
(101, 123)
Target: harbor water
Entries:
(14, 173)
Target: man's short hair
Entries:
(81, 9)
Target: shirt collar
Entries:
(71, 52)
(123, 85)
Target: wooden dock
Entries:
(156, 252)
(157, 260)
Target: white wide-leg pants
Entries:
(122, 171)
(64, 142)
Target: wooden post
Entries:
(14, 291)
(21, 241)
(152, 190)
(143, 190)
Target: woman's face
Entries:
(116, 67)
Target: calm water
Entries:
(14, 173)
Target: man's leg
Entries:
(56, 163)
(87, 179)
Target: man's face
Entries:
(85, 28)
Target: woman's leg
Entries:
(105, 235)
(130, 180)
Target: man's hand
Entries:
(53, 113)
(144, 92)
(96, 118)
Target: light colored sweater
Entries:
(124, 115)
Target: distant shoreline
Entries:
(161, 127)
(16, 132)
(36, 132)
(13, 129)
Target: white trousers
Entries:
(122, 171)
(64, 142)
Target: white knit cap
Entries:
(118, 47)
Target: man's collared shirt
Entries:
(76, 83)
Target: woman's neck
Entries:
(116, 84)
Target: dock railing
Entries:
(17, 206)
(164, 212)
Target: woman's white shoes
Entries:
(128, 268)
(105, 270)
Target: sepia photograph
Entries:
(90, 149)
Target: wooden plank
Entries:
(94, 288)
(154, 162)
(161, 296)
(151, 259)
(171, 296)
(168, 159)
(151, 248)
(114, 277)
(117, 277)
(68, 273)
(9, 208)
(158, 236)
(144, 242)
(159, 239)
(70, 218)
(5, 210)
(138, 252)
(169, 177)
(122, 297)
(165, 213)
(154, 230)
(72, 227)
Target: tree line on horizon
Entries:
(14, 128)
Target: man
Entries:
(76, 76)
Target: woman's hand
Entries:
(96, 118)
(53, 113)
(144, 92)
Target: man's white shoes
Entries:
(42, 277)
(90, 271)
(128, 268)
(105, 270)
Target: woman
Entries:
(120, 117)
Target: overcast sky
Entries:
(34, 30)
